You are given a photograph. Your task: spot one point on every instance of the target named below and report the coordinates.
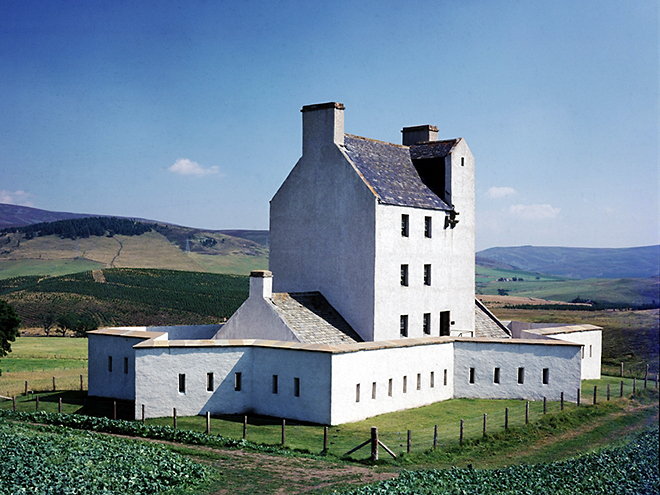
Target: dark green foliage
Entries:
(632, 469)
(84, 227)
(59, 460)
(9, 323)
(78, 324)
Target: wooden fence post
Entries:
(244, 427)
(646, 375)
(506, 418)
(81, 383)
(374, 443)
(409, 444)
(54, 384)
(59, 406)
(608, 391)
(114, 409)
(460, 441)
(37, 404)
(208, 422)
(325, 438)
(283, 432)
(578, 397)
(13, 400)
(634, 386)
(142, 413)
(174, 414)
(435, 436)
(595, 389)
(562, 401)
(26, 387)
(485, 419)
(527, 413)
(544, 405)
(621, 393)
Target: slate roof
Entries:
(389, 171)
(312, 319)
(486, 323)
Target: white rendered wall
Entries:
(591, 341)
(562, 361)
(322, 228)
(379, 366)
(102, 381)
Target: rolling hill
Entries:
(578, 263)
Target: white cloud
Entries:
(183, 166)
(534, 212)
(500, 192)
(19, 198)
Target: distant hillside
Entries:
(18, 216)
(579, 263)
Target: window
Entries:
(389, 388)
(404, 275)
(209, 382)
(432, 380)
(427, 274)
(110, 364)
(405, 384)
(496, 375)
(444, 379)
(404, 325)
(471, 375)
(404, 225)
(462, 161)
(182, 383)
(444, 323)
(419, 381)
(582, 353)
(296, 387)
(590, 347)
(274, 384)
(126, 366)
(546, 376)
(521, 375)
(427, 323)
(373, 390)
(238, 381)
(357, 393)
(427, 227)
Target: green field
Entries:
(52, 268)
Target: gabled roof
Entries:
(312, 319)
(486, 324)
(389, 171)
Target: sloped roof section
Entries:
(312, 319)
(389, 171)
(486, 323)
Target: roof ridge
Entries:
(376, 141)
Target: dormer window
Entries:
(404, 225)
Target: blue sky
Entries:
(189, 112)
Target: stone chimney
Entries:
(261, 284)
(419, 134)
(323, 124)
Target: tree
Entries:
(66, 322)
(9, 323)
(84, 324)
(48, 322)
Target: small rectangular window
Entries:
(182, 383)
(471, 375)
(373, 390)
(590, 348)
(275, 384)
(126, 366)
(404, 225)
(546, 376)
(432, 380)
(462, 161)
(427, 324)
(521, 375)
(427, 274)
(389, 388)
(404, 325)
(419, 381)
(405, 384)
(427, 227)
(404, 275)
(444, 378)
(238, 381)
(110, 364)
(496, 375)
(357, 393)
(209, 382)
(296, 387)
(582, 352)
